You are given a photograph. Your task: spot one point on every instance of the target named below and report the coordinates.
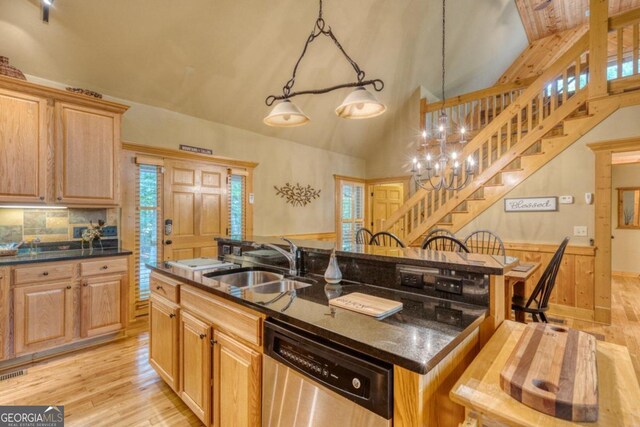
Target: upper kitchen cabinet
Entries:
(87, 152)
(23, 144)
(58, 147)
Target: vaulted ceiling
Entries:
(219, 59)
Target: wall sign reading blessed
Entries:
(531, 204)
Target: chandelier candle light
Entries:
(359, 104)
(431, 173)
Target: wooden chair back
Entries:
(542, 292)
(363, 236)
(384, 238)
(445, 243)
(437, 232)
(485, 242)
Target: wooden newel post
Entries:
(598, 44)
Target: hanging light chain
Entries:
(320, 28)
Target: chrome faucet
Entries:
(291, 254)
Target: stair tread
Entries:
(539, 153)
(512, 170)
(460, 212)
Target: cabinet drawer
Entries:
(91, 268)
(165, 287)
(224, 315)
(42, 273)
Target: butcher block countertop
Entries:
(479, 387)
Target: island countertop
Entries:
(416, 338)
(477, 263)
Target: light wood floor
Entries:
(110, 385)
(113, 385)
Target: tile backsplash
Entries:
(53, 225)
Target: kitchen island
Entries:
(428, 343)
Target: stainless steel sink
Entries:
(280, 286)
(245, 279)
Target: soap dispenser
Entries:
(333, 274)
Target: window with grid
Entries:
(351, 212)
(148, 222)
(237, 214)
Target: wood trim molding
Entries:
(634, 275)
(551, 248)
(349, 178)
(616, 145)
(183, 155)
(24, 86)
(324, 236)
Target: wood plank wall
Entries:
(574, 292)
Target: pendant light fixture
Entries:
(359, 104)
(430, 172)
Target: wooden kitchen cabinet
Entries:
(4, 312)
(102, 309)
(43, 316)
(163, 339)
(87, 152)
(23, 144)
(195, 366)
(236, 383)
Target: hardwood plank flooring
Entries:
(113, 385)
(110, 385)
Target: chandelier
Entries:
(359, 104)
(430, 170)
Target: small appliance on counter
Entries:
(200, 266)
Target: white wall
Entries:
(570, 173)
(625, 247)
(280, 161)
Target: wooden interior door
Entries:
(386, 199)
(23, 147)
(195, 199)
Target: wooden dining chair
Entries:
(538, 302)
(485, 242)
(437, 232)
(445, 243)
(363, 236)
(384, 238)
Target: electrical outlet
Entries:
(566, 200)
(580, 230)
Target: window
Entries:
(148, 222)
(236, 205)
(351, 212)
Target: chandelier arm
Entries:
(377, 85)
(287, 87)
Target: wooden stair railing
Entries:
(512, 134)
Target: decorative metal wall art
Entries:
(297, 195)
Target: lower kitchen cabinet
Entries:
(102, 308)
(43, 316)
(236, 383)
(195, 365)
(163, 339)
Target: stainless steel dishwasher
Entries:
(309, 383)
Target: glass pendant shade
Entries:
(285, 115)
(360, 104)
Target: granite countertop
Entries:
(477, 263)
(50, 256)
(416, 338)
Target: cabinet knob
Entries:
(159, 288)
(171, 316)
(202, 336)
(85, 284)
(46, 273)
(59, 198)
(213, 342)
(68, 286)
(104, 267)
(41, 197)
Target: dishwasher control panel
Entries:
(325, 370)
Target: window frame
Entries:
(339, 182)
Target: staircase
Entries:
(516, 129)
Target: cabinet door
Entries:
(237, 383)
(195, 366)
(101, 305)
(43, 316)
(87, 150)
(23, 144)
(163, 339)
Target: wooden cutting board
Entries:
(553, 370)
(367, 304)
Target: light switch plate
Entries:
(251, 198)
(580, 230)
(566, 200)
